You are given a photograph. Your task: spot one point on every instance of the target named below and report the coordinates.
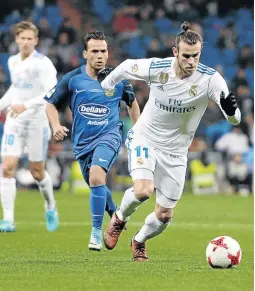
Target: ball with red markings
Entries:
(223, 252)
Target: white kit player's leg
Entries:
(37, 152)
(151, 228)
(128, 205)
(46, 189)
(8, 195)
(141, 166)
(11, 149)
(155, 224)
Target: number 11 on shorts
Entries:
(139, 150)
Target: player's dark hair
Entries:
(93, 35)
(188, 36)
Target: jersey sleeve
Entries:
(47, 75)
(128, 95)
(130, 69)
(59, 95)
(217, 86)
(216, 89)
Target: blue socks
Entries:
(110, 205)
(98, 197)
(101, 201)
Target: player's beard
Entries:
(183, 71)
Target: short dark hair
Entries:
(93, 35)
(188, 36)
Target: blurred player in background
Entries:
(180, 88)
(96, 129)
(32, 76)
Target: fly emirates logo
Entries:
(174, 106)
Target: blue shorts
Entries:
(103, 156)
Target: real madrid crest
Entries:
(163, 78)
(109, 92)
(139, 161)
(193, 91)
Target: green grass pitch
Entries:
(33, 259)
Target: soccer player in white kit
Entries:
(32, 76)
(180, 89)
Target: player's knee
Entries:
(165, 215)
(97, 176)
(37, 174)
(143, 191)
(8, 170)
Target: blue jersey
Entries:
(95, 111)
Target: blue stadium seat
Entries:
(229, 56)
(103, 10)
(211, 35)
(163, 25)
(37, 13)
(230, 71)
(249, 73)
(3, 61)
(54, 17)
(4, 27)
(210, 55)
(135, 48)
(12, 18)
(244, 14)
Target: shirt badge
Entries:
(139, 161)
(193, 91)
(163, 78)
(134, 68)
(109, 92)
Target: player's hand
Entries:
(60, 132)
(228, 104)
(17, 109)
(102, 74)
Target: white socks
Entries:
(8, 195)
(129, 204)
(46, 189)
(151, 228)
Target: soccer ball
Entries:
(223, 252)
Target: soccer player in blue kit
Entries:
(96, 129)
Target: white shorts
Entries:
(165, 170)
(17, 137)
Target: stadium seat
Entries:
(164, 25)
(211, 35)
(54, 17)
(210, 55)
(3, 61)
(103, 10)
(229, 57)
(135, 48)
(249, 73)
(230, 71)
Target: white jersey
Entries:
(175, 107)
(31, 79)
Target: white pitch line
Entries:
(183, 225)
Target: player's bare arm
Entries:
(59, 131)
(134, 111)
